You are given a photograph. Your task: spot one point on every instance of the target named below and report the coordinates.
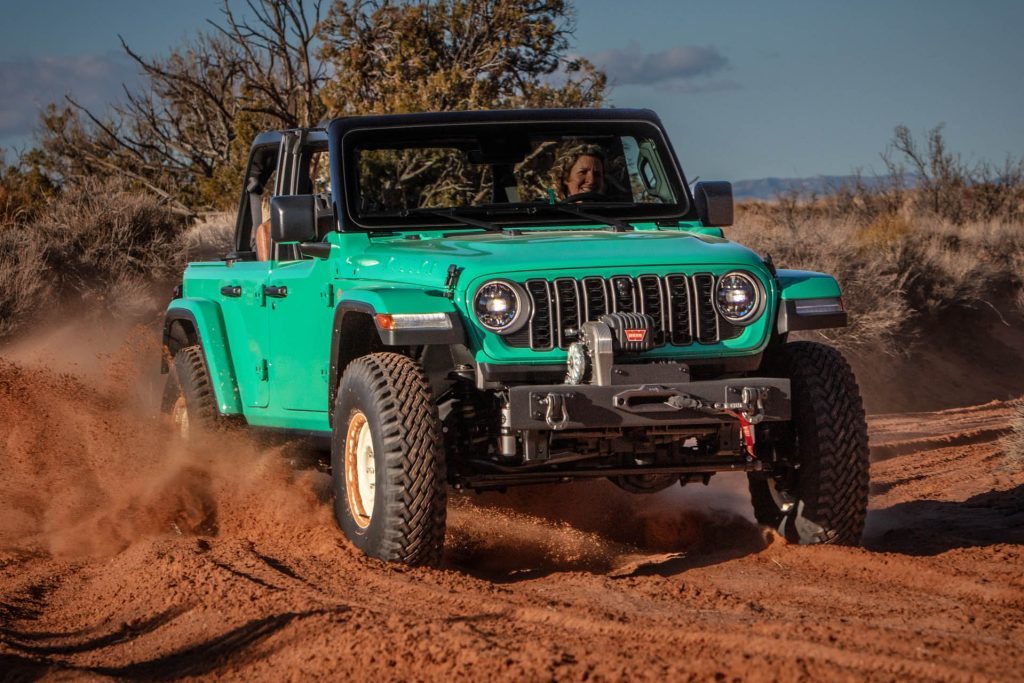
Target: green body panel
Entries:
(276, 351)
(806, 284)
(214, 338)
(425, 261)
(387, 297)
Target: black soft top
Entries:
(340, 126)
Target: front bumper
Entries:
(556, 407)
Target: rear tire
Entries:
(387, 461)
(189, 398)
(818, 492)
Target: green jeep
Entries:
(481, 300)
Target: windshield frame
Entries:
(346, 135)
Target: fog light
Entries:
(576, 363)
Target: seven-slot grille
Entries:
(681, 306)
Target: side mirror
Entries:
(714, 202)
(293, 218)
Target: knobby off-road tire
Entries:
(824, 498)
(384, 404)
(189, 396)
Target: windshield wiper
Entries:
(614, 224)
(450, 213)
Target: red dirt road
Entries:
(123, 555)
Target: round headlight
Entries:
(738, 297)
(499, 306)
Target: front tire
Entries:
(818, 490)
(387, 461)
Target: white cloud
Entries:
(683, 68)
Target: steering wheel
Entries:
(583, 197)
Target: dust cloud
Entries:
(88, 465)
(594, 526)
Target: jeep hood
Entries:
(424, 259)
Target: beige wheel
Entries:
(179, 416)
(360, 469)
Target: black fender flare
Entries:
(204, 317)
(172, 316)
(454, 335)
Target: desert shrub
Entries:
(102, 230)
(24, 187)
(952, 266)
(940, 278)
(925, 180)
(884, 230)
(22, 290)
(897, 270)
(98, 243)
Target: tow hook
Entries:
(556, 415)
(749, 411)
(747, 432)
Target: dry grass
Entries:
(22, 290)
(210, 238)
(99, 244)
(897, 270)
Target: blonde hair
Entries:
(567, 157)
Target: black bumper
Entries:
(586, 406)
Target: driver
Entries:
(578, 170)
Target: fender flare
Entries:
(370, 303)
(208, 321)
(805, 285)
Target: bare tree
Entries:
(956, 190)
(184, 134)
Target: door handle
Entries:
(231, 290)
(275, 292)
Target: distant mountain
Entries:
(770, 188)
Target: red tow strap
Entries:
(746, 431)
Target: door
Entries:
(244, 308)
(301, 318)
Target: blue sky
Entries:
(746, 89)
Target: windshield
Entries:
(512, 173)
